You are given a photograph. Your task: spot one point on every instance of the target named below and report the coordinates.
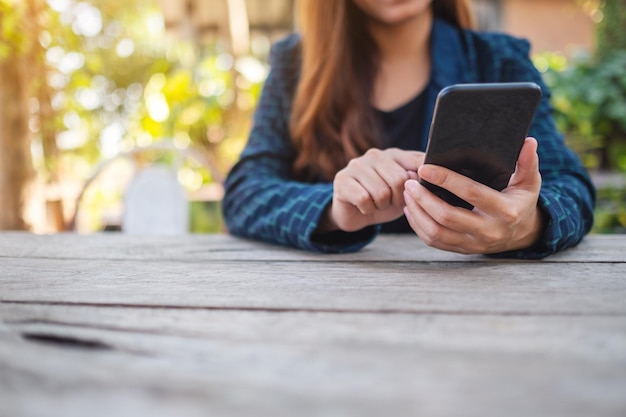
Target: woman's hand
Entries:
(500, 221)
(369, 190)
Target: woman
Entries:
(336, 148)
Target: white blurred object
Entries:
(155, 204)
(155, 201)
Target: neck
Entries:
(408, 39)
(404, 60)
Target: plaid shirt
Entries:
(264, 202)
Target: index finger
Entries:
(409, 160)
(478, 195)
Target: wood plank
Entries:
(206, 248)
(600, 338)
(105, 325)
(535, 288)
(310, 364)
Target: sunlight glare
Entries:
(182, 140)
(155, 24)
(110, 139)
(59, 5)
(71, 139)
(252, 69)
(125, 48)
(158, 108)
(89, 99)
(88, 20)
(71, 62)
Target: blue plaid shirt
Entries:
(264, 202)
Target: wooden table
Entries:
(211, 325)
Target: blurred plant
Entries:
(610, 213)
(589, 97)
(610, 34)
(590, 107)
(123, 84)
(114, 81)
(589, 92)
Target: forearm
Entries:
(569, 204)
(277, 210)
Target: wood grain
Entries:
(189, 326)
(535, 288)
(313, 363)
(220, 247)
(587, 337)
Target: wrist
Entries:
(536, 229)
(326, 223)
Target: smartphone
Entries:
(478, 130)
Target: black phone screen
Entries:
(478, 130)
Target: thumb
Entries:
(526, 173)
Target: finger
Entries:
(394, 176)
(406, 164)
(409, 160)
(526, 173)
(436, 238)
(362, 170)
(454, 218)
(383, 177)
(351, 191)
(431, 232)
(479, 195)
(378, 189)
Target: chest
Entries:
(397, 83)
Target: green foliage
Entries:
(119, 83)
(132, 77)
(589, 96)
(610, 34)
(13, 37)
(589, 93)
(205, 217)
(610, 213)
(590, 102)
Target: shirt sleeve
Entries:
(567, 195)
(261, 199)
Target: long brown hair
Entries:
(332, 119)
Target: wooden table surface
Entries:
(211, 325)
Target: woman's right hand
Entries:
(369, 190)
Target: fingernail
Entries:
(426, 173)
(411, 185)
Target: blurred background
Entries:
(95, 92)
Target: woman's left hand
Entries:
(500, 221)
